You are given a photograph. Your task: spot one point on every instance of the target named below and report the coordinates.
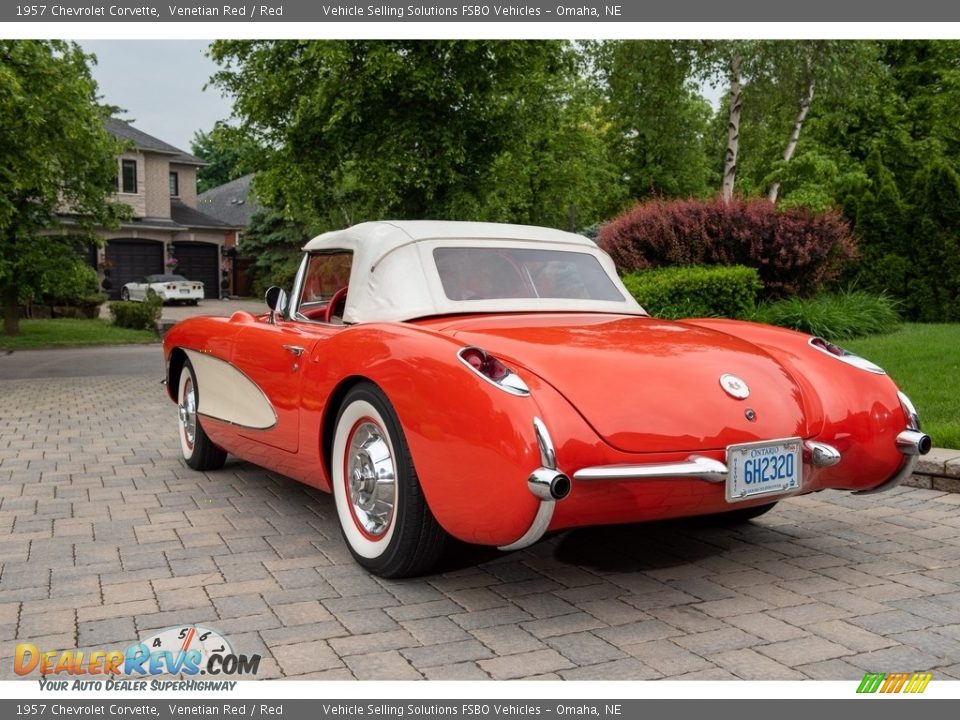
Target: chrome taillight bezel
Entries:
(510, 382)
(844, 356)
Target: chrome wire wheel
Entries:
(371, 474)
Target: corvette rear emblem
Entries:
(734, 386)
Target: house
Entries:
(233, 204)
(167, 232)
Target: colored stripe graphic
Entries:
(894, 682)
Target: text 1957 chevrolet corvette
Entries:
(495, 382)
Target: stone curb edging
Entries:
(937, 470)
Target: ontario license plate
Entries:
(769, 467)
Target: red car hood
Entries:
(647, 385)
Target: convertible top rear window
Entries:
(493, 273)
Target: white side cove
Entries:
(227, 394)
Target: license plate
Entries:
(184, 292)
(769, 467)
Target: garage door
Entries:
(131, 260)
(200, 261)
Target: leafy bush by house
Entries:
(795, 251)
(71, 284)
(699, 291)
(138, 315)
(834, 316)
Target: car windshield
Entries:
(166, 278)
(475, 273)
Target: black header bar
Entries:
(472, 11)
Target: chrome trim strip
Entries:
(548, 455)
(548, 458)
(913, 417)
(821, 454)
(538, 527)
(293, 304)
(695, 466)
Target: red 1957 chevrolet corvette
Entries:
(496, 382)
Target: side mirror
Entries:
(276, 299)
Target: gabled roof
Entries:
(231, 202)
(125, 131)
(188, 217)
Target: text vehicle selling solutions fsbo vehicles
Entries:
(497, 382)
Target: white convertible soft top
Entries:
(393, 276)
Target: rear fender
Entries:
(856, 411)
(472, 443)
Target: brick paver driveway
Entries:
(105, 536)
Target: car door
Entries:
(273, 352)
(272, 356)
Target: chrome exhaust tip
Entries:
(913, 442)
(549, 484)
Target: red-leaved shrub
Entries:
(794, 251)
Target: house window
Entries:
(129, 176)
(174, 184)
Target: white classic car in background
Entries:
(170, 288)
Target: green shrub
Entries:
(795, 251)
(138, 315)
(698, 291)
(71, 284)
(834, 316)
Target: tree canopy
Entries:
(570, 134)
(55, 155)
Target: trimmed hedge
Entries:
(677, 292)
(137, 315)
(834, 316)
(795, 251)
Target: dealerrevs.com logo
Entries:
(186, 651)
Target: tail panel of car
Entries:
(648, 385)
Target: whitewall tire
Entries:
(197, 449)
(380, 505)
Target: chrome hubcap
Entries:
(372, 477)
(187, 409)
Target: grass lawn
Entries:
(66, 332)
(924, 360)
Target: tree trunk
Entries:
(733, 131)
(11, 310)
(788, 151)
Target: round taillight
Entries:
(494, 369)
(828, 346)
(474, 357)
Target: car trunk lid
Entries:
(648, 385)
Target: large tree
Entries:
(655, 119)
(773, 86)
(362, 130)
(229, 153)
(54, 155)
